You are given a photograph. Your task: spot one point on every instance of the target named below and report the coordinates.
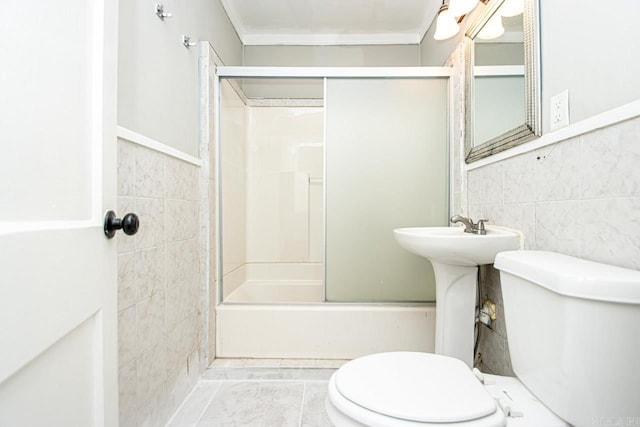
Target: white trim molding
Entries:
(321, 72)
(151, 143)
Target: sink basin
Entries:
(455, 256)
(451, 245)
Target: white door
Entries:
(58, 335)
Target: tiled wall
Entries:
(579, 197)
(159, 276)
(272, 169)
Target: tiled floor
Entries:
(259, 392)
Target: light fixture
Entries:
(461, 7)
(446, 25)
(493, 28)
(511, 8)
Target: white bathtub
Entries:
(274, 283)
(276, 311)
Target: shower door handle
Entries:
(129, 224)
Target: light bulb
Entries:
(446, 25)
(493, 28)
(511, 8)
(461, 7)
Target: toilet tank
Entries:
(573, 328)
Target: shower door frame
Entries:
(324, 73)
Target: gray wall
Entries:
(590, 48)
(586, 47)
(158, 77)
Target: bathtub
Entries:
(269, 315)
(274, 283)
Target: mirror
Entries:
(502, 78)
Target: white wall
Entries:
(333, 56)
(158, 76)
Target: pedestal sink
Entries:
(455, 256)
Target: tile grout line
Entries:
(304, 390)
(208, 403)
(179, 408)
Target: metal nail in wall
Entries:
(186, 41)
(161, 13)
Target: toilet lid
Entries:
(413, 386)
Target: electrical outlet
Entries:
(559, 110)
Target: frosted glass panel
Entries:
(386, 168)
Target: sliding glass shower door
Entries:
(386, 167)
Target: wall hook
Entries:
(161, 13)
(186, 41)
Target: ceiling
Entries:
(331, 22)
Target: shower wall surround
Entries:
(284, 187)
(159, 291)
(272, 176)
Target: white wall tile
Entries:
(127, 335)
(610, 161)
(557, 171)
(150, 318)
(518, 179)
(154, 412)
(610, 231)
(126, 280)
(182, 301)
(151, 213)
(558, 227)
(148, 386)
(182, 180)
(521, 216)
(182, 262)
(183, 340)
(151, 271)
(485, 185)
(150, 174)
(183, 220)
(128, 393)
(151, 370)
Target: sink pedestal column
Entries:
(455, 310)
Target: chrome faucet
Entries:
(469, 225)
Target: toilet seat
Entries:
(411, 389)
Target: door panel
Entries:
(58, 276)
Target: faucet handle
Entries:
(480, 226)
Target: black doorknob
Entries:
(129, 224)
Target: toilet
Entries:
(574, 340)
